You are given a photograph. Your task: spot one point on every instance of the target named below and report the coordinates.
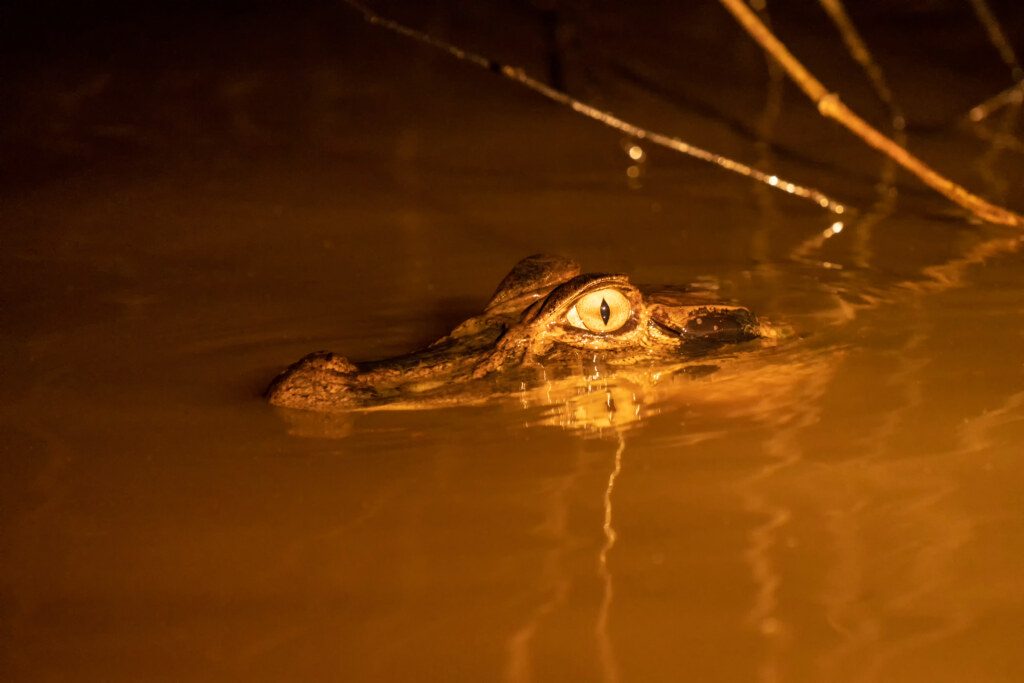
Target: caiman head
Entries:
(545, 313)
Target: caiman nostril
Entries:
(706, 323)
(734, 324)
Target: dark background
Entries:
(86, 74)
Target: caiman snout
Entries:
(321, 380)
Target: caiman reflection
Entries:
(544, 316)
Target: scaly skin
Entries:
(528, 324)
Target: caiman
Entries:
(545, 314)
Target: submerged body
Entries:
(543, 314)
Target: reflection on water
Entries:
(841, 503)
(609, 668)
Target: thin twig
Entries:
(830, 106)
(886, 202)
(673, 143)
(1014, 95)
(860, 53)
(997, 37)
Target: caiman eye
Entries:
(605, 310)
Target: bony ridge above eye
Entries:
(600, 311)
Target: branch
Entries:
(673, 143)
(830, 106)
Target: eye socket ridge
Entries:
(600, 311)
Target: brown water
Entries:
(187, 207)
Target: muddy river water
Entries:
(191, 202)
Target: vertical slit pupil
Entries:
(606, 312)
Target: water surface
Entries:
(180, 225)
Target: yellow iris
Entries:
(604, 310)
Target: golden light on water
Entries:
(831, 502)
